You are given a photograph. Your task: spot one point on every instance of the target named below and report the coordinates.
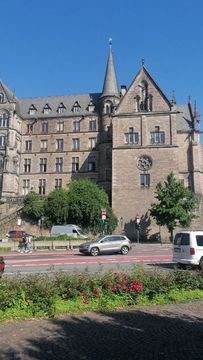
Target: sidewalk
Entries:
(168, 332)
(135, 246)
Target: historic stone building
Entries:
(126, 141)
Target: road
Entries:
(72, 261)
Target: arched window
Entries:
(108, 108)
(1, 97)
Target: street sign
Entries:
(103, 214)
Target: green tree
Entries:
(175, 205)
(56, 207)
(33, 206)
(85, 201)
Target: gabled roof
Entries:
(10, 96)
(54, 102)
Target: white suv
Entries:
(107, 244)
(188, 248)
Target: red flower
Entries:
(114, 288)
(85, 301)
(90, 293)
(81, 294)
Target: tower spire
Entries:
(110, 87)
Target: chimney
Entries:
(123, 90)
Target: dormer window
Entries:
(2, 98)
(76, 107)
(61, 108)
(91, 107)
(32, 110)
(46, 109)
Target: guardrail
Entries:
(44, 244)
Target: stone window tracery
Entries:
(144, 163)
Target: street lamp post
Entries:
(137, 219)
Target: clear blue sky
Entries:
(60, 47)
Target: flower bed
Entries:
(43, 295)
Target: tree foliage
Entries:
(81, 204)
(56, 207)
(175, 204)
(33, 206)
(85, 201)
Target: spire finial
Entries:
(173, 101)
(142, 61)
(110, 42)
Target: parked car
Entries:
(107, 244)
(2, 266)
(188, 248)
(69, 229)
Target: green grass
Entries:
(103, 304)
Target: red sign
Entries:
(137, 219)
(103, 214)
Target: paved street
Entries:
(169, 332)
(73, 261)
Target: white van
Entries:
(188, 248)
(69, 229)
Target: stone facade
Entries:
(125, 141)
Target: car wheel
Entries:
(201, 263)
(124, 250)
(94, 251)
(182, 266)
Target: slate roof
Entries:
(54, 102)
(110, 87)
(184, 119)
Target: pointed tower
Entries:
(110, 87)
(109, 100)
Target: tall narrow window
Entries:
(42, 186)
(60, 126)
(145, 180)
(76, 125)
(1, 97)
(26, 186)
(92, 143)
(28, 145)
(29, 128)
(27, 165)
(76, 144)
(59, 165)
(59, 144)
(43, 145)
(4, 120)
(131, 137)
(1, 164)
(91, 163)
(45, 127)
(58, 184)
(157, 136)
(75, 164)
(92, 125)
(43, 165)
(2, 140)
